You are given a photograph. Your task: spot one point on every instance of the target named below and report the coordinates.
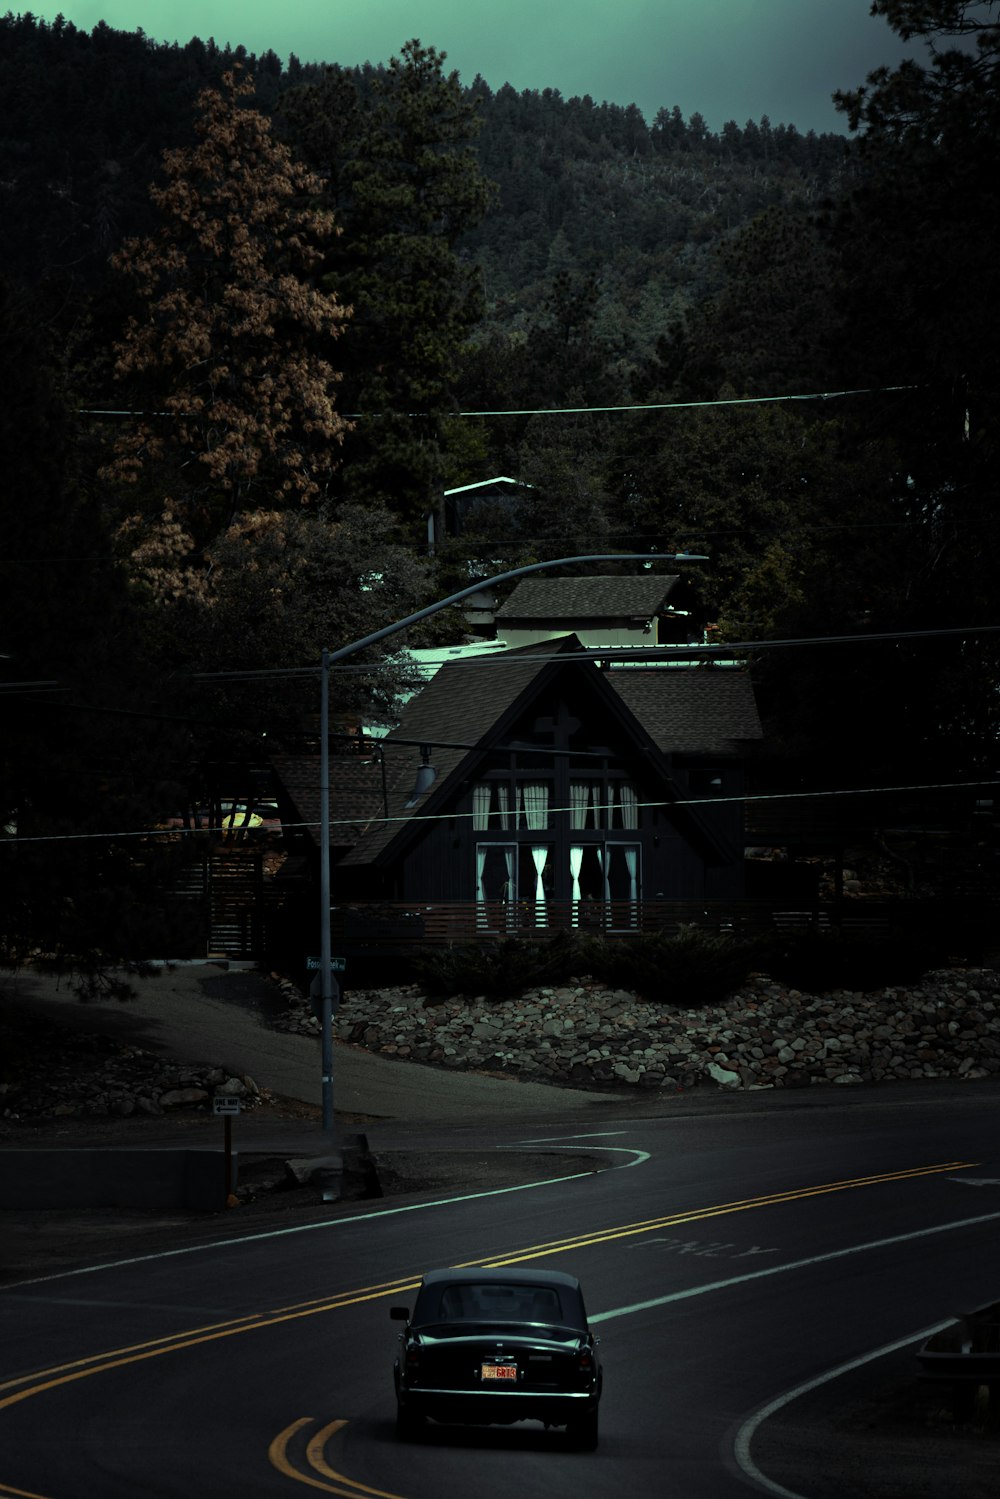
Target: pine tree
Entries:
(232, 341)
(402, 178)
(85, 761)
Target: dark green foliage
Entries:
(690, 969)
(498, 970)
(395, 152)
(820, 961)
(85, 755)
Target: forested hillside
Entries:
(580, 187)
(246, 307)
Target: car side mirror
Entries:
(399, 1313)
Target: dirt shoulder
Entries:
(42, 1242)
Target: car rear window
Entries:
(490, 1301)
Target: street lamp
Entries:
(329, 657)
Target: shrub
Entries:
(498, 970)
(819, 961)
(693, 968)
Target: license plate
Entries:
(498, 1371)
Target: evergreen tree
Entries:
(232, 341)
(283, 584)
(921, 302)
(400, 173)
(87, 759)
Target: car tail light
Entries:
(585, 1360)
(412, 1359)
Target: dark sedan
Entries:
(497, 1346)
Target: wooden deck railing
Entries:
(376, 925)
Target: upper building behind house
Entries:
(601, 611)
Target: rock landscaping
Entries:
(583, 1035)
(580, 1034)
(56, 1075)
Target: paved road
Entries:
(731, 1262)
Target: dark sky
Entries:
(730, 59)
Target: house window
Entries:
(491, 805)
(496, 804)
(598, 804)
(513, 884)
(518, 874)
(606, 884)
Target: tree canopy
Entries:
(775, 348)
(231, 343)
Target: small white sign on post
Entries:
(225, 1103)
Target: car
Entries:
(497, 1346)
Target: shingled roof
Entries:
(454, 713)
(356, 796)
(587, 598)
(682, 710)
(691, 710)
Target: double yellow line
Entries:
(316, 1458)
(25, 1386)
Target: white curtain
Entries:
(536, 806)
(481, 806)
(510, 890)
(575, 865)
(632, 865)
(579, 796)
(503, 802)
(539, 857)
(604, 870)
(630, 805)
(480, 888)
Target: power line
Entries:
(633, 653)
(820, 395)
(358, 416)
(353, 822)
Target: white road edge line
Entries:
(741, 1445)
(302, 1228)
(815, 1259)
(749, 1429)
(640, 1155)
(279, 1233)
(596, 1134)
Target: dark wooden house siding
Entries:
(670, 853)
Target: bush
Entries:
(693, 968)
(498, 970)
(819, 961)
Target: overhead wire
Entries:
(748, 799)
(356, 416)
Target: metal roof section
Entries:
(429, 659)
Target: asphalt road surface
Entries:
(745, 1271)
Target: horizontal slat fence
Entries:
(231, 903)
(402, 926)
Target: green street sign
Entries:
(337, 965)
